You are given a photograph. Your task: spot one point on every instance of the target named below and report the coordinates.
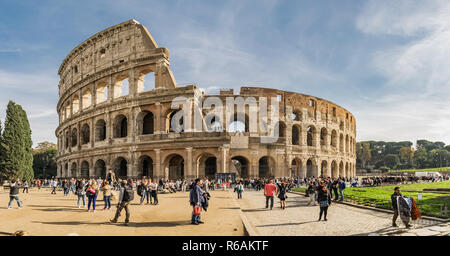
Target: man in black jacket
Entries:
(14, 194)
(125, 197)
(395, 207)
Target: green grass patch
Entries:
(443, 169)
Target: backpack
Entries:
(139, 189)
(128, 194)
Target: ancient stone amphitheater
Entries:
(115, 96)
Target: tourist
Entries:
(311, 191)
(54, 185)
(111, 177)
(25, 186)
(80, 186)
(65, 185)
(14, 194)
(38, 184)
(149, 192)
(282, 195)
(196, 198)
(341, 187)
(72, 185)
(334, 185)
(125, 197)
(154, 192)
(92, 193)
(142, 189)
(324, 200)
(269, 190)
(395, 207)
(106, 188)
(239, 190)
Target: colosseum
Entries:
(115, 96)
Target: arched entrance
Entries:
(120, 167)
(240, 163)
(310, 166)
(265, 166)
(84, 169)
(295, 167)
(100, 169)
(73, 170)
(334, 170)
(341, 169)
(145, 168)
(176, 167)
(324, 169)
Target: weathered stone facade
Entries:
(108, 123)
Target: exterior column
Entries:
(92, 133)
(303, 168)
(190, 173)
(158, 128)
(158, 173)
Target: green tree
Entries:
(392, 160)
(363, 153)
(406, 155)
(16, 161)
(44, 163)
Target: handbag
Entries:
(323, 203)
(197, 210)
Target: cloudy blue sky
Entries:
(388, 62)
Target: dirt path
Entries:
(56, 215)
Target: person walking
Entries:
(142, 190)
(334, 185)
(80, 187)
(107, 195)
(25, 186)
(92, 193)
(14, 194)
(196, 199)
(54, 185)
(311, 193)
(65, 185)
(394, 200)
(239, 190)
(324, 200)
(125, 197)
(269, 190)
(282, 195)
(154, 192)
(341, 186)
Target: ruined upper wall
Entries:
(120, 44)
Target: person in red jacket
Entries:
(269, 190)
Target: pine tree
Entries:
(16, 159)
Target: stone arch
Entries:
(100, 169)
(334, 169)
(207, 165)
(296, 132)
(84, 169)
(145, 123)
(281, 129)
(347, 173)
(85, 134)
(341, 126)
(341, 143)
(100, 130)
(346, 143)
(86, 98)
(67, 140)
(120, 126)
(171, 116)
(121, 167)
(146, 80)
(101, 92)
(175, 164)
(76, 104)
(74, 137)
(323, 136)
(241, 165)
(296, 164)
(235, 125)
(145, 166)
(324, 169)
(73, 170)
(311, 136)
(296, 115)
(311, 166)
(121, 86)
(266, 165)
(334, 139)
(341, 169)
(66, 170)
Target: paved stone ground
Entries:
(45, 214)
(298, 219)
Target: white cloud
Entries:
(416, 95)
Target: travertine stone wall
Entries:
(109, 118)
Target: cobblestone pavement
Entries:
(298, 219)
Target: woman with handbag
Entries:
(92, 193)
(282, 195)
(324, 200)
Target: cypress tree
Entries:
(16, 159)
